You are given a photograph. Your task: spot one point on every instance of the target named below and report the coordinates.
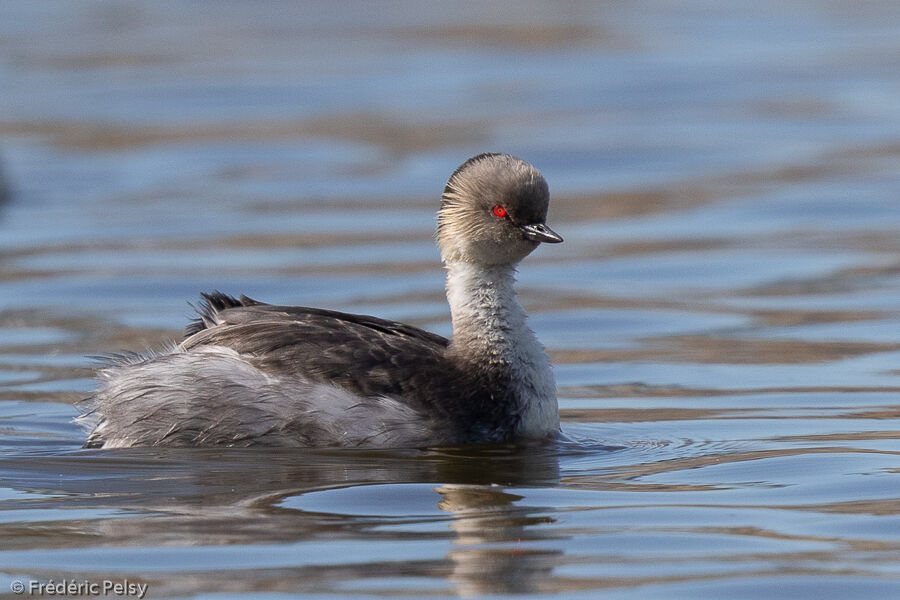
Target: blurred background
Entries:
(724, 314)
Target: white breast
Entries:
(489, 322)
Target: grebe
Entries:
(249, 373)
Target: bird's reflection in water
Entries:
(491, 533)
(314, 500)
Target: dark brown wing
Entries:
(363, 354)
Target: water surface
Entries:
(724, 315)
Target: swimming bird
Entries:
(249, 373)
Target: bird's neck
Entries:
(490, 332)
(487, 316)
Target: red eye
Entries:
(499, 212)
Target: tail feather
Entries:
(208, 308)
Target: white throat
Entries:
(489, 325)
